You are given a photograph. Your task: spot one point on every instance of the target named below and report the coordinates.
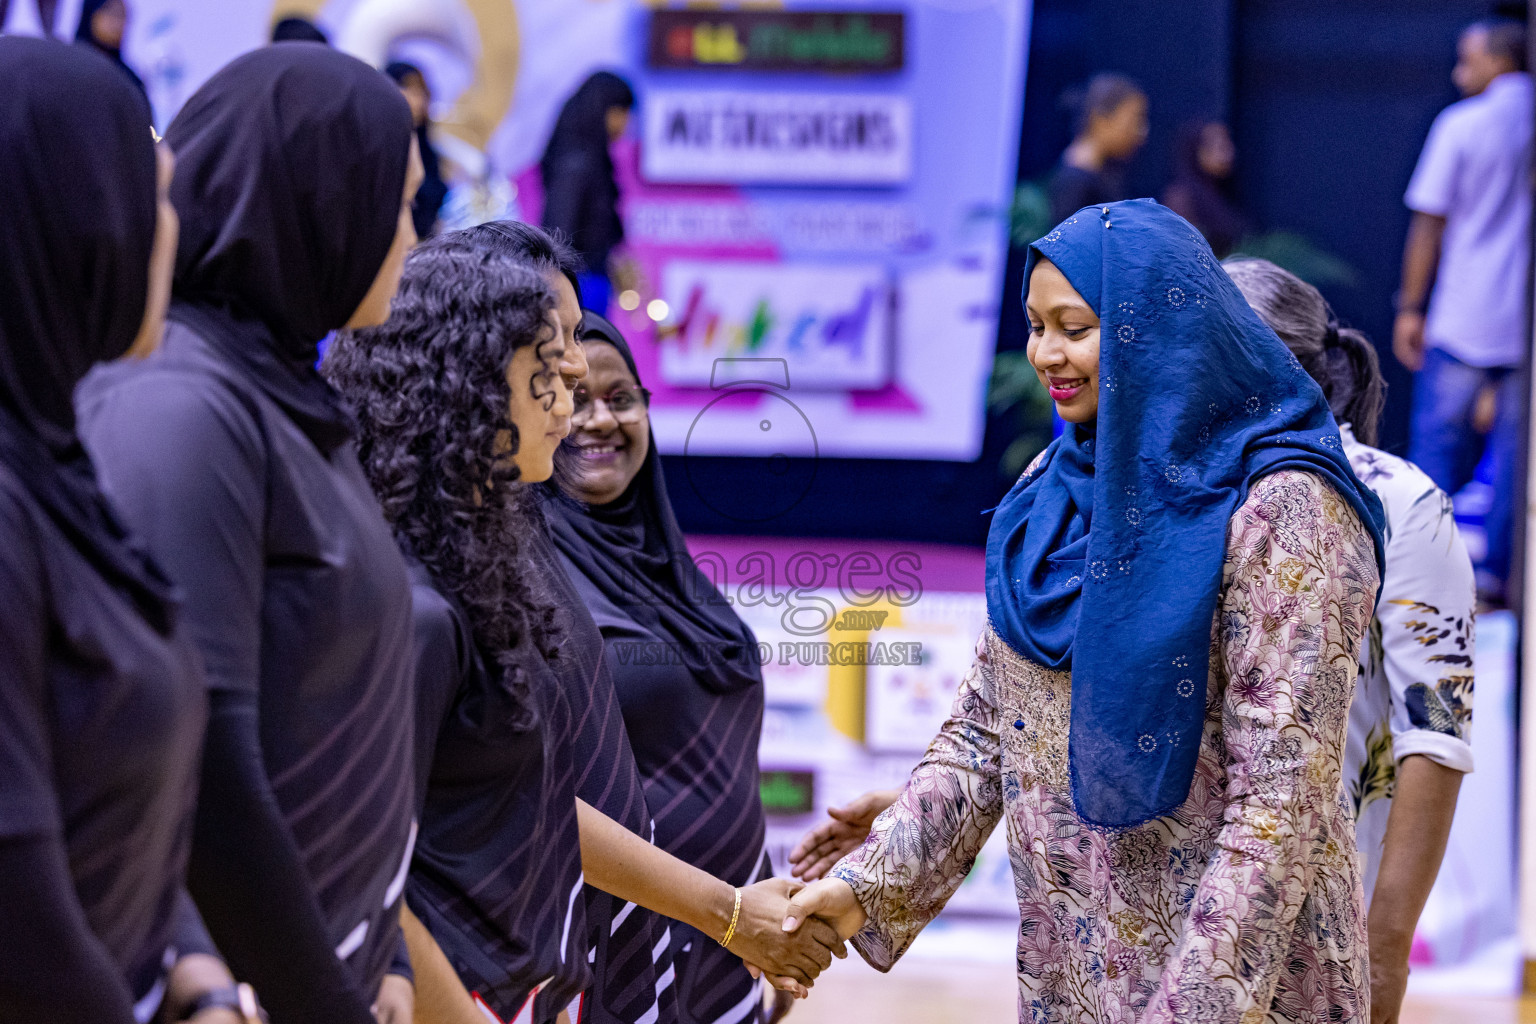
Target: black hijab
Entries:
(77, 223)
(298, 30)
(429, 198)
(633, 552)
(83, 34)
(290, 166)
(581, 130)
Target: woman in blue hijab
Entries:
(1176, 590)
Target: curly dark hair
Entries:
(430, 393)
(548, 252)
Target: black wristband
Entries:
(238, 998)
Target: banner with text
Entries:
(777, 138)
(825, 186)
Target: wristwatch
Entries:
(239, 998)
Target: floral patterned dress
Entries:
(1416, 664)
(1244, 905)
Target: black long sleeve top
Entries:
(299, 603)
(497, 874)
(101, 721)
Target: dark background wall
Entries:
(1329, 102)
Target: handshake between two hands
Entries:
(789, 931)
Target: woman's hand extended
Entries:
(829, 901)
(761, 940)
(397, 1000)
(829, 842)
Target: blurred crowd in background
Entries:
(1461, 323)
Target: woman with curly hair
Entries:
(459, 398)
(623, 940)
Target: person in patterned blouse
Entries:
(1409, 723)
(1181, 850)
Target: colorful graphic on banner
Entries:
(831, 324)
(840, 41)
(906, 704)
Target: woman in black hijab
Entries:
(429, 198)
(1201, 190)
(103, 23)
(581, 197)
(694, 716)
(233, 458)
(101, 698)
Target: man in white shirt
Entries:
(1470, 236)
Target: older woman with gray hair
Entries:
(1407, 748)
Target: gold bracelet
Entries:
(730, 933)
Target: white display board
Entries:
(777, 138)
(906, 704)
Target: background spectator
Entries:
(1111, 127)
(581, 197)
(1202, 188)
(103, 23)
(1470, 235)
(298, 30)
(429, 198)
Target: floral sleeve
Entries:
(1425, 632)
(923, 846)
(1299, 587)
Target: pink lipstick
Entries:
(1064, 389)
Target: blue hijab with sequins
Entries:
(1107, 558)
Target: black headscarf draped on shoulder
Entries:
(581, 195)
(77, 223)
(291, 165)
(633, 551)
(434, 190)
(582, 126)
(86, 35)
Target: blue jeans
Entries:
(1446, 447)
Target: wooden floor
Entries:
(947, 992)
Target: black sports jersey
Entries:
(496, 877)
(101, 722)
(696, 747)
(299, 602)
(629, 947)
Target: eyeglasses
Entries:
(625, 404)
